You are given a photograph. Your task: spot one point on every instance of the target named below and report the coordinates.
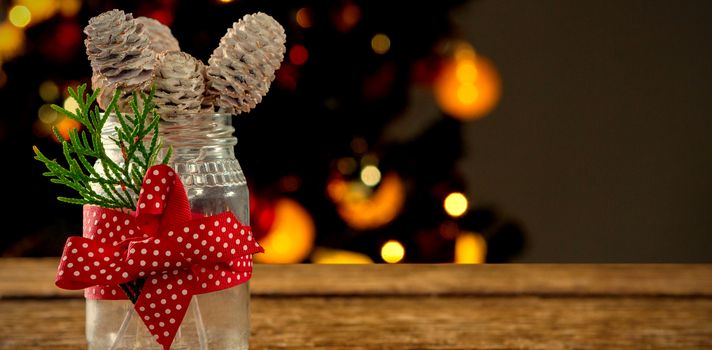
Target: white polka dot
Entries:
(143, 205)
(204, 285)
(86, 268)
(157, 314)
(217, 283)
(70, 265)
(179, 239)
(158, 205)
(146, 317)
(103, 216)
(196, 252)
(163, 180)
(178, 307)
(195, 236)
(204, 257)
(165, 334)
(142, 262)
(188, 245)
(151, 327)
(125, 275)
(74, 251)
(219, 255)
(186, 229)
(184, 292)
(153, 306)
(154, 264)
(217, 239)
(172, 320)
(244, 247)
(155, 172)
(155, 252)
(216, 223)
(130, 262)
(232, 251)
(168, 311)
(76, 273)
(156, 188)
(142, 309)
(148, 181)
(170, 233)
(202, 226)
(179, 281)
(149, 196)
(163, 301)
(168, 253)
(109, 277)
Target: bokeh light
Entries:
(291, 237)
(470, 248)
(347, 17)
(392, 252)
(40, 9)
(370, 175)
(19, 16)
(380, 43)
(362, 208)
(64, 126)
(304, 17)
(338, 256)
(12, 40)
(49, 91)
(468, 85)
(69, 8)
(455, 204)
(298, 55)
(70, 104)
(47, 115)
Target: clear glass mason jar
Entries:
(203, 156)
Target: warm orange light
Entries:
(468, 86)
(12, 40)
(392, 252)
(348, 17)
(69, 8)
(19, 16)
(338, 256)
(65, 125)
(291, 237)
(470, 248)
(362, 209)
(380, 43)
(298, 54)
(455, 204)
(304, 17)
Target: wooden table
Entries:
(417, 307)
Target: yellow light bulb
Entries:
(392, 252)
(20, 16)
(455, 204)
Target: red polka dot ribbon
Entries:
(176, 253)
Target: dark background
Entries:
(597, 152)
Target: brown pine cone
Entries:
(159, 35)
(119, 50)
(243, 66)
(179, 83)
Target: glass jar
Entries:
(203, 156)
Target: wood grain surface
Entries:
(418, 307)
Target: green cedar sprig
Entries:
(136, 137)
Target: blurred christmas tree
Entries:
(349, 157)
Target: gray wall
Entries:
(601, 144)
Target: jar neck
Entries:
(192, 137)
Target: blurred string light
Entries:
(40, 9)
(70, 104)
(3, 77)
(337, 256)
(470, 248)
(19, 16)
(304, 17)
(468, 85)
(370, 175)
(69, 8)
(49, 91)
(346, 17)
(380, 43)
(392, 252)
(291, 237)
(12, 40)
(455, 204)
(298, 54)
(47, 115)
(64, 126)
(363, 208)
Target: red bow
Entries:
(178, 255)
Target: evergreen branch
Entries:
(119, 182)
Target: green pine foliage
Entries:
(136, 137)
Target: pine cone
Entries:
(179, 82)
(119, 50)
(159, 35)
(98, 81)
(242, 67)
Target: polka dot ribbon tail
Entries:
(176, 253)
